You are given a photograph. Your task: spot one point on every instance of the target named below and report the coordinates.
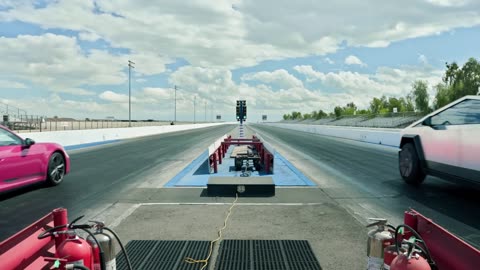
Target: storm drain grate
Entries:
(266, 255)
(162, 255)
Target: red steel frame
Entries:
(447, 250)
(24, 250)
(265, 156)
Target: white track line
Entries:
(229, 203)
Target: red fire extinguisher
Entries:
(414, 255)
(389, 253)
(74, 250)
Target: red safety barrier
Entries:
(447, 250)
(266, 158)
(219, 153)
(24, 250)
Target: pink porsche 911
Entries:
(24, 162)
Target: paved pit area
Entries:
(293, 214)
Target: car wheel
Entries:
(409, 165)
(56, 169)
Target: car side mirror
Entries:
(29, 142)
(427, 121)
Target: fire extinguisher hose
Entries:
(424, 249)
(121, 245)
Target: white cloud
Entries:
(215, 86)
(353, 60)
(72, 90)
(345, 20)
(449, 3)
(422, 59)
(88, 36)
(362, 87)
(281, 77)
(309, 72)
(6, 84)
(57, 63)
(329, 61)
(114, 97)
(233, 33)
(212, 84)
(215, 37)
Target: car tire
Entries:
(56, 169)
(409, 165)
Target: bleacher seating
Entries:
(379, 121)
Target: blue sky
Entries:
(71, 55)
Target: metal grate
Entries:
(163, 255)
(266, 255)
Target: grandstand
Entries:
(391, 120)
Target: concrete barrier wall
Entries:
(88, 136)
(390, 137)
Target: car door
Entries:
(469, 139)
(18, 164)
(441, 142)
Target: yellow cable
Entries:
(205, 261)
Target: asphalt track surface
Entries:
(364, 179)
(355, 181)
(99, 175)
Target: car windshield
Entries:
(235, 134)
(7, 138)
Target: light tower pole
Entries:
(130, 66)
(175, 113)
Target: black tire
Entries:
(56, 169)
(409, 165)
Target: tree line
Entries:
(456, 83)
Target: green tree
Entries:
(442, 95)
(321, 114)
(338, 111)
(420, 96)
(470, 78)
(409, 104)
(307, 116)
(296, 115)
(350, 109)
(377, 104)
(363, 111)
(458, 82)
(287, 117)
(395, 103)
(451, 73)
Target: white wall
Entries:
(383, 136)
(75, 137)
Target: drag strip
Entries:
(101, 175)
(363, 178)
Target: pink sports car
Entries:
(23, 162)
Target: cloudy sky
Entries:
(69, 58)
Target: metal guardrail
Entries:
(31, 123)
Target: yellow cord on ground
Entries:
(205, 261)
